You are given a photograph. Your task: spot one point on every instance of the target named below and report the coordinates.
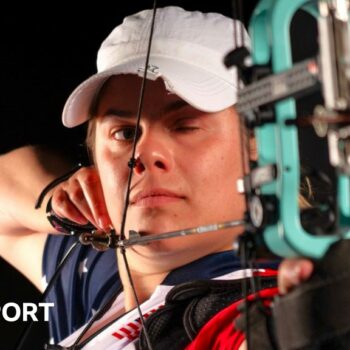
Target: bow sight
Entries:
(272, 187)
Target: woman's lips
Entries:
(154, 198)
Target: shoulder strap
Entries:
(188, 307)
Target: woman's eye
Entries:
(186, 125)
(125, 134)
(186, 128)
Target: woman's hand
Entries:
(80, 199)
(292, 272)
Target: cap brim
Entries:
(200, 88)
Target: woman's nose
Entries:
(153, 154)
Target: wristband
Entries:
(64, 225)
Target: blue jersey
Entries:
(90, 278)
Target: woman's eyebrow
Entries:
(174, 106)
(124, 113)
(113, 112)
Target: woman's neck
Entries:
(144, 284)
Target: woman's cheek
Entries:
(113, 173)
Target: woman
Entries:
(188, 159)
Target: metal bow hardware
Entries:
(274, 184)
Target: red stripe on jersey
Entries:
(133, 326)
(118, 335)
(128, 334)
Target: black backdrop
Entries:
(45, 52)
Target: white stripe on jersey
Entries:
(122, 333)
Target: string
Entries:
(245, 292)
(99, 314)
(132, 164)
(245, 151)
(52, 281)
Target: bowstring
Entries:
(238, 40)
(248, 248)
(247, 258)
(23, 337)
(131, 165)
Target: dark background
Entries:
(45, 53)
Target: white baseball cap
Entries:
(187, 53)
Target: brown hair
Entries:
(90, 139)
(306, 194)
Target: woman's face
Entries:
(188, 163)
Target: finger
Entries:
(64, 208)
(92, 188)
(292, 272)
(77, 196)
